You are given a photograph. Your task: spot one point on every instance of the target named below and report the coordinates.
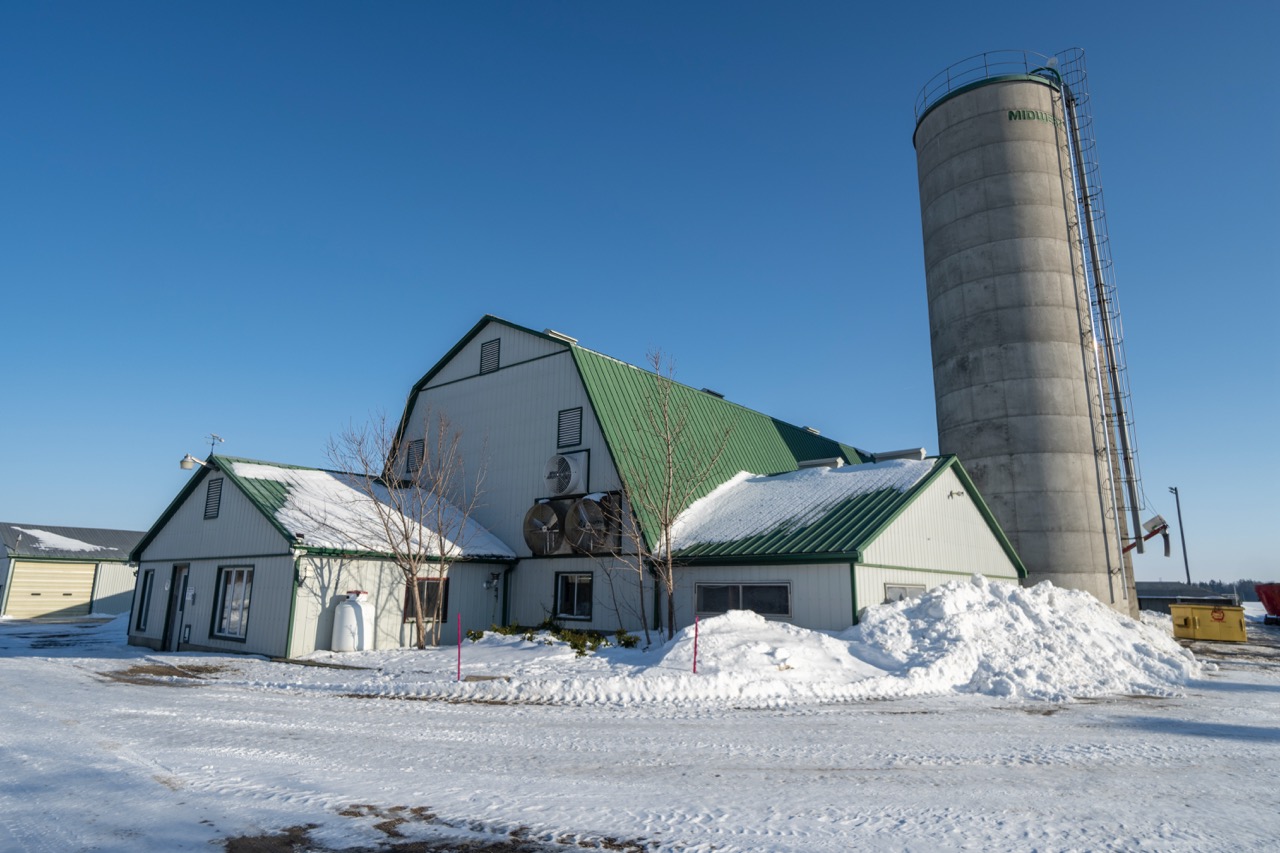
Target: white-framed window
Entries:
(231, 607)
(144, 599)
(902, 591)
(767, 599)
(573, 595)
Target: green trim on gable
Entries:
(846, 529)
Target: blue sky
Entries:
(266, 220)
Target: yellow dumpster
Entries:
(1216, 622)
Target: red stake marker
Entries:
(695, 645)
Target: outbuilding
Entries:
(49, 571)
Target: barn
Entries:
(781, 519)
(564, 433)
(51, 571)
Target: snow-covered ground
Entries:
(980, 716)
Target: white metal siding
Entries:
(113, 588)
(509, 419)
(269, 601)
(873, 579)
(942, 530)
(516, 347)
(820, 595)
(239, 530)
(329, 579)
(533, 593)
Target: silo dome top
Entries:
(990, 67)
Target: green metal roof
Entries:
(753, 442)
(846, 528)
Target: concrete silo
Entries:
(1029, 394)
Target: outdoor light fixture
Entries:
(188, 462)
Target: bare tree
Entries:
(422, 498)
(627, 563)
(667, 470)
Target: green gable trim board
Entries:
(330, 515)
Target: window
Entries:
(569, 427)
(489, 351)
(902, 591)
(413, 461)
(767, 599)
(231, 610)
(144, 599)
(430, 589)
(573, 595)
(213, 498)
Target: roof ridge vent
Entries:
(916, 453)
(560, 336)
(713, 393)
(829, 462)
(813, 430)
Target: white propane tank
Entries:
(352, 623)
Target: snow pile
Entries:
(47, 541)
(1003, 640)
(996, 639)
(749, 505)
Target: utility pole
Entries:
(1181, 532)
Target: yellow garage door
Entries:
(50, 589)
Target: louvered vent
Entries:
(413, 461)
(489, 352)
(569, 428)
(213, 498)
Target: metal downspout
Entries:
(293, 605)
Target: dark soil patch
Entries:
(294, 839)
(297, 839)
(164, 674)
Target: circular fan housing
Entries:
(588, 527)
(543, 529)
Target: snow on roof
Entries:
(329, 511)
(749, 505)
(47, 541)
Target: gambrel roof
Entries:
(84, 544)
(619, 394)
(326, 513)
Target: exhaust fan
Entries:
(543, 529)
(567, 474)
(591, 525)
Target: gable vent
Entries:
(489, 351)
(413, 464)
(213, 498)
(569, 427)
